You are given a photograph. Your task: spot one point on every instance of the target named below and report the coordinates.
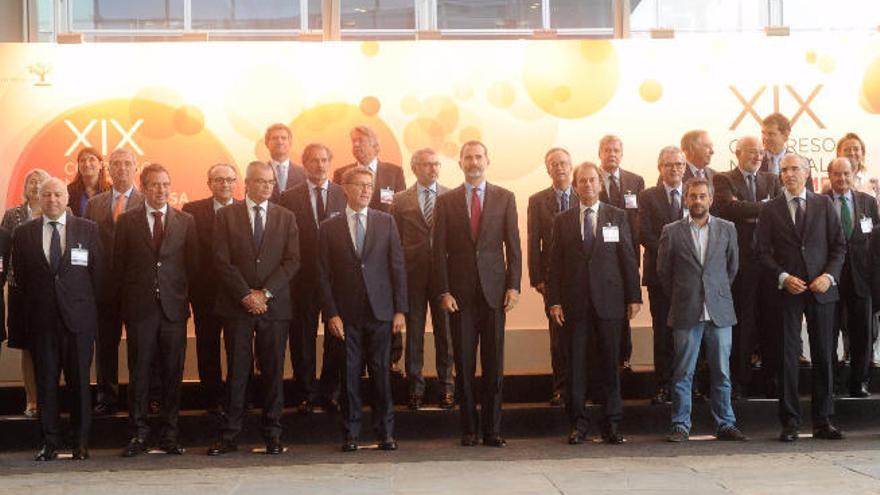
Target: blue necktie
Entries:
(563, 202)
(258, 226)
(588, 230)
(55, 248)
(359, 233)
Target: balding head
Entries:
(53, 197)
(840, 173)
(749, 153)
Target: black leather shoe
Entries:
(46, 453)
(221, 447)
(135, 447)
(860, 392)
(494, 441)
(416, 402)
(305, 407)
(172, 448)
(273, 446)
(469, 440)
(660, 397)
(389, 443)
(80, 453)
(576, 437)
(828, 432)
(789, 434)
(447, 401)
(613, 437)
(556, 400)
(104, 409)
(350, 444)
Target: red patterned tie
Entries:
(475, 213)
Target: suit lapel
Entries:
(599, 236)
(740, 183)
(244, 218)
(550, 202)
(410, 200)
(172, 223)
(37, 241)
(684, 229)
(462, 205)
(782, 208)
(272, 221)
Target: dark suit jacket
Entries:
(388, 176)
(607, 276)
(204, 282)
(653, 215)
(765, 167)
(492, 261)
(688, 175)
(75, 192)
(822, 249)
(71, 293)
(379, 276)
(139, 271)
(689, 283)
(296, 175)
(242, 266)
(5, 250)
(543, 207)
(856, 265)
(415, 236)
(99, 210)
(629, 183)
(731, 193)
(304, 285)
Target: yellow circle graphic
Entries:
(651, 90)
(870, 99)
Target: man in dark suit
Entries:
(593, 286)
(256, 246)
(801, 243)
(58, 267)
(477, 272)
(697, 261)
(5, 249)
(740, 195)
(698, 150)
(858, 215)
(413, 211)
(104, 209)
(203, 286)
(543, 208)
(363, 291)
(389, 181)
(621, 189)
(279, 139)
(311, 203)
(155, 255)
(658, 206)
(775, 129)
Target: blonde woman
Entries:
(14, 217)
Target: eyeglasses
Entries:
(263, 182)
(224, 180)
(361, 185)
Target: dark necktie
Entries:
(753, 193)
(360, 232)
(429, 208)
(799, 215)
(614, 196)
(588, 230)
(846, 219)
(674, 205)
(700, 173)
(476, 211)
(563, 201)
(55, 248)
(258, 225)
(320, 210)
(158, 231)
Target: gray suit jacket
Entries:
(690, 284)
(99, 209)
(415, 236)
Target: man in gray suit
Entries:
(697, 261)
(278, 140)
(413, 211)
(104, 209)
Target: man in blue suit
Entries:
(362, 277)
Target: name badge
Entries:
(1, 264)
(79, 257)
(867, 225)
(611, 233)
(333, 214)
(386, 195)
(630, 201)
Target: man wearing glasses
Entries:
(256, 254)
(222, 179)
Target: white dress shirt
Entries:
(313, 197)
(151, 221)
(47, 234)
(606, 179)
(350, 215)
(282, 171)
(481, 193)
(420, 194)
(264, 211)
(700, 236)
(218, 205)
(593, 216)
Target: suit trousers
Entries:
(56, 350)
(626, 344)
(477, 324)
(579, 335)
(745, 333)
(332, 367)
(396, 348)
(208, 337)
(107, 352)
(368, 342)
(820, 321)
(854, 317)
(558, 353)
(148, 339)
(303, 354)
(663, 340)
(269, 337)
(419, 300)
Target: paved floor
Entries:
(529, 465)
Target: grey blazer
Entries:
(690, 284)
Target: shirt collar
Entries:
(694, 224)
(560, 192)
(349, 212)
(669, 189)
(746, 173)
(848, 194)
(594, 206)
(480, 187)
(789, 196)
(62, 220)
(322, 185)
(606, 175)
(284, 163)
(250, 204)
(116, 193)
(150, 209)
(218, 205)
(373, 165)
(421, 189)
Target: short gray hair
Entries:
(665, 151)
